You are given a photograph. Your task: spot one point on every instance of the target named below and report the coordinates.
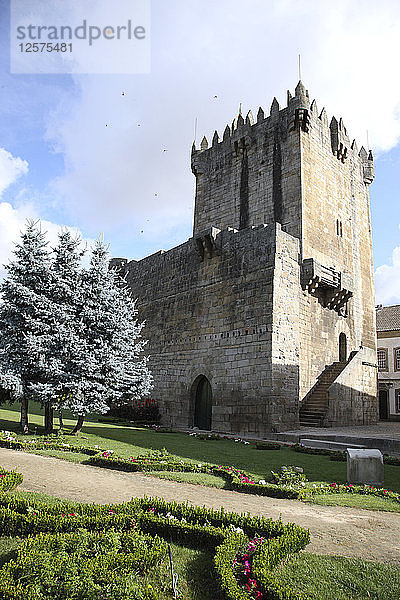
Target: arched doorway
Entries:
(203, 404)
(342, 347)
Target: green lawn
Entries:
(357, 501)
(338, 578)
(131, 441)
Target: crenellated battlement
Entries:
(245, 177)
(299, 114)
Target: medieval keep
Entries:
(265, 318)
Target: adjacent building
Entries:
(388, 331)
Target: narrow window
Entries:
(382, 359)
(397, 400)
(397, 359)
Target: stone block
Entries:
(364, 466)
(328, 444)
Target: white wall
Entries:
(390, 375)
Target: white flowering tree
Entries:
(109, 368)
(69, 336)
(65, 293)
(26, 318)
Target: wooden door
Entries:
(203, 404)
(383, 405)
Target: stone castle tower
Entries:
(265, 317)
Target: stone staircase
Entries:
(314, 406)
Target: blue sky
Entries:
(111, 153)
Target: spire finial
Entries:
(300, 67)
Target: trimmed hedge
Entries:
(264, 583)
(14, 444)
(82, 565)
(238, 480)
(267, 446)
(348, 488)
(57, 553)
(9, 480)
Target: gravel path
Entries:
(334, 530)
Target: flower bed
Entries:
(69, 536)
(9, 440)
(238, 480)
(348, 488)
(340, 456)
(246, 566)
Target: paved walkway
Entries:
(334, 530)
(382, 430)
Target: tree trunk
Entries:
(48, 418)
(24, 415)
(79, 425)
(60, 418)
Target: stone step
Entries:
(328, 444)
(315, 405)
(311, 416)
(316, 402)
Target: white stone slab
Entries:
(328, 444)
(365, 466)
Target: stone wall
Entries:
(352, 397)
(251, 177)
(336, 232)
(213, 317)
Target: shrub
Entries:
(348, 488)
(140, 410)
(267, 446)
(289, 476)
(82, 565)
(257, 579)
(9, 480)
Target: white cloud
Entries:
(387, 281)
(11, 168)
(12, 223)
(13, 220)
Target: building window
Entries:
(383, 359)
(397, 359)
(339, 228)
(398, 401)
